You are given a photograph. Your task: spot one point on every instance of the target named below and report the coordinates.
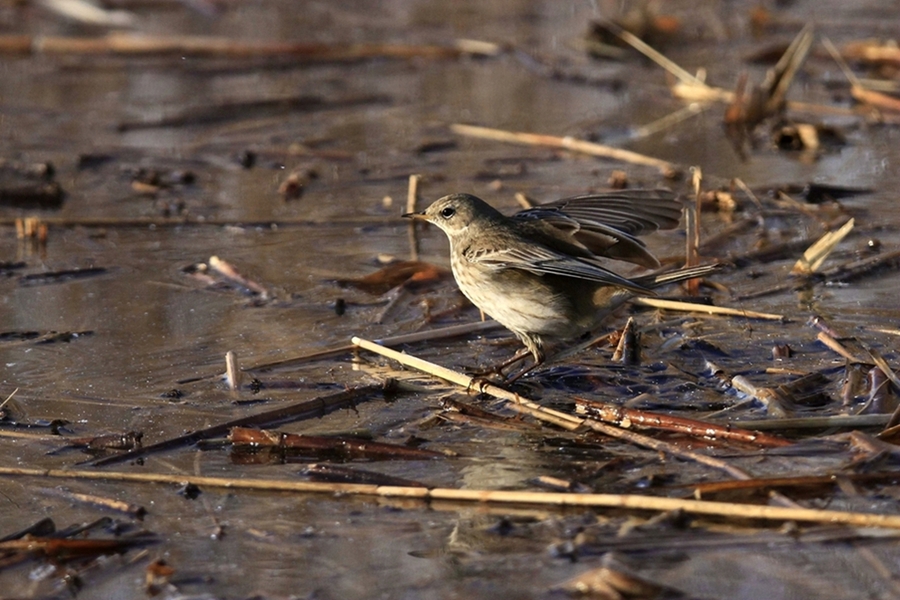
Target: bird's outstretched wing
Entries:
(608, 224)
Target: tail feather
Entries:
(683, 274)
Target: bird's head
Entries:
(456, 213)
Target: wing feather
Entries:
(540, 260)
(608, 224)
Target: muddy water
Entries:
(146, 324)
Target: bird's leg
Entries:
(534, 346)
(517, 357)
(498, 368)
(525, 370)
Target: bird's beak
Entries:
(414, 215)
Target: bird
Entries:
(541, 272)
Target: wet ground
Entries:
(169, 159)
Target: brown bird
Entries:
(540, 272)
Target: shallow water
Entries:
(152, 325)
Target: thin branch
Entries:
(630, 417)
(569, 143)
(412, 197)
(408, 338)
(623, 501)
(137, 44)
(851, 421)
(705, 308)
(283, 414)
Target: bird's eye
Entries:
(448, 212)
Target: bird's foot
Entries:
(512, 378)
(498, 368)
(495, 375)
(478, 383)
